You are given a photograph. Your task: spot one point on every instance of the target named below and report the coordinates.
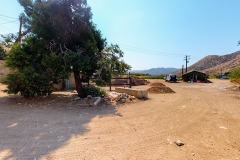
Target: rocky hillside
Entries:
(214, 64)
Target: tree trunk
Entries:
(63, 84)
(78, 83)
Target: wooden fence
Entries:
(121, 84)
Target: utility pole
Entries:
(20, 30)
(186, 58)
(182, 69)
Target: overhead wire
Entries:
(8, 22)
(127, 48)
(147, 51)
(124, 47)
(7, 16)
(7, 30)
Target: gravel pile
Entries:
(159, 88)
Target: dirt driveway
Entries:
(205, 117)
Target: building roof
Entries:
(194, 71)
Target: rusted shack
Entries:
(194, 76)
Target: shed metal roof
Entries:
(194, 71)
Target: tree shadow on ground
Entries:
(33, 128)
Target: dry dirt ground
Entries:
(204, 116)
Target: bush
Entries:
(3, 53)
(235, 76)
(139, 74)
(34, 69)
(213, 76)
(151, 77)
(94, 91)
(100, 83)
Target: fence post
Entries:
(130, 82)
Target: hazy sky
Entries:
(157, 33)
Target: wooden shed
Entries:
(194, 76)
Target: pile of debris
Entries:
(159, 88)
(137, 81)
(113, 97)
(120, 97)
(120, 81)
(89, 100)
(235, 88)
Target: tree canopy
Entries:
(67, 28)
(60, 38)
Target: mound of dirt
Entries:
(157, 84)
(162, 89)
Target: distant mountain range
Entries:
(214, 64)
(156, 71)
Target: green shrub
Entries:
(34, 69)
(3, 53)
(235, 76)
(139, 74)
(100, 83)
(213, 76)
(179, 77)
(94, 91)
(151, 77)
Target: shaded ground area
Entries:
(32, 128)
(204, 116)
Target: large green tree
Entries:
(59, 38)
(67, 27)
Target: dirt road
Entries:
(205, 117)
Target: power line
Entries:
(147, 51)
(1, 28)
(8, 22)
(7, 30)
(7, 16)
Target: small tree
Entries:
(111, 62)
